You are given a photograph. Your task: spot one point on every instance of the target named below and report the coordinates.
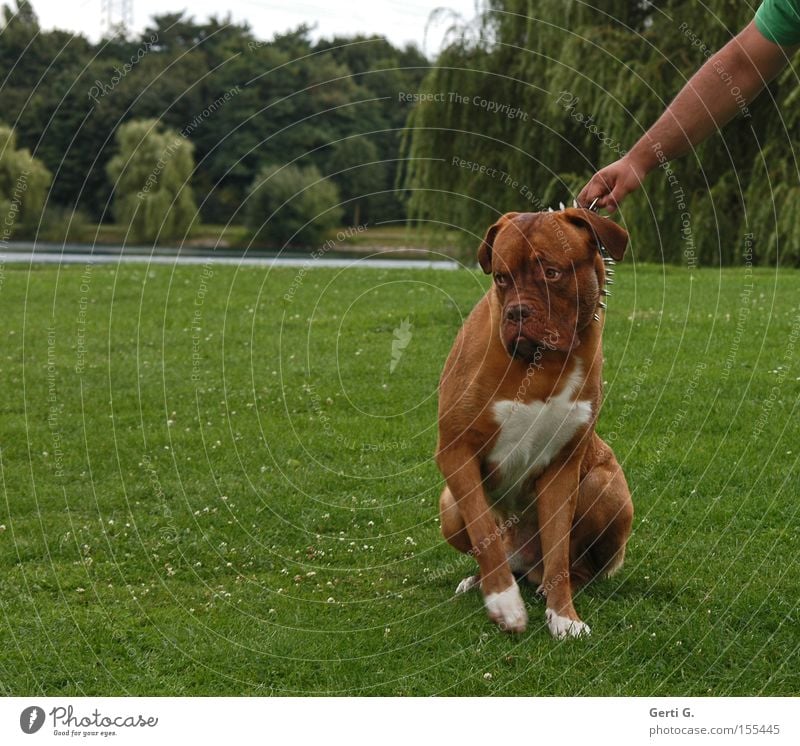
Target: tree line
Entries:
(200, 122)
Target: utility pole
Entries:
(116, 17)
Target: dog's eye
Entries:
(551, 273)
(501, 279)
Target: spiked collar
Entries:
(608, 261)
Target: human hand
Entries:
(612, 184)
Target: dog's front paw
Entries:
(467, 584)
(507, 610)
(562, 627)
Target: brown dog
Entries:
(531, 488)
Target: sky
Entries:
(399, 20)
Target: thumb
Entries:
(607, 202)
(618, 193)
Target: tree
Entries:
(150, 176)
(382, 73)
(23, 187)
(541, 94)
(292, 205)
(357, 174)
(242, 102)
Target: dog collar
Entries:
(608, 261)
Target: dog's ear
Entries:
(604, 232)
(485, 249)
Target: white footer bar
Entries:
(398, 721)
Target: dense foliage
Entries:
(23, 185)
(531, 98)
(150, 175)
(241, 103)
(291, 205)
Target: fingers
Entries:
(607, 202)
(592, 191)
(606, 186)
(609, 187)
(612, 184)
(620, 191)
(614, 199)
(599, 188)
(610, 202)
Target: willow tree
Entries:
(150, 175)
(23, 187)
(530, 98)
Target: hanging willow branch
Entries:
(535, 96)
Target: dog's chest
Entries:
(532, 434)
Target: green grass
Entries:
(271, 526)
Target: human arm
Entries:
(707, 102)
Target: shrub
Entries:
(291, 205)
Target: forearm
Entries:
(735, 74)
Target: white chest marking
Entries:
(531, 435)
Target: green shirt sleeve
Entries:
(779, 21)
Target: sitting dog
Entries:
(531, 489)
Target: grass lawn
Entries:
(208, 489)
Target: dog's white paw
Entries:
(562, 627)
(467, 584)
(507, 610)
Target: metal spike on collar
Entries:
(608, 262)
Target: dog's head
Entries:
(548, 274)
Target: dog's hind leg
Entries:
(603, 519)
(452, 523)
(454, 531)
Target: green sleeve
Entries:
(779, 21)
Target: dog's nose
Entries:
(517, 314)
